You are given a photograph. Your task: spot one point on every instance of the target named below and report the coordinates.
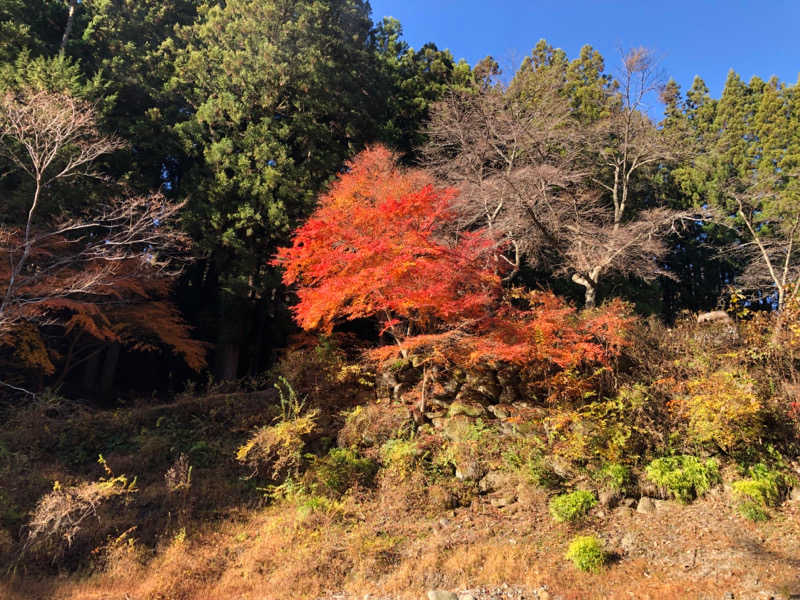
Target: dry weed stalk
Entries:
(61, 513)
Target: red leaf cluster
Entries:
(375, 247)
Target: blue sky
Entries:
(692, 38)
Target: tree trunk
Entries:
(109, 370)
(90, 372)
(227, 366)
(590, 287)
(73, 4)
(590, 297)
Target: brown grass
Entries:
(214, 538)
(378, 543)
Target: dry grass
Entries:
(396, 539)
(385, 542)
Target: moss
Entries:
(399, 365)
(683, 477)
(400, 456)
(541, 474)
(571, 507)
(587, 553)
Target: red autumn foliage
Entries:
(377, 247)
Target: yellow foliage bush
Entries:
(723, 409)
(617, 429)
(279, 446)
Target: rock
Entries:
(544, 595)
(435, 415)
(646, 505)
(446, 392)
(470, 409)
(628, 502)
(466, 597)
(527, 494)
(501, 411)
(715, 316)
(521, 428)
(561, 467)
(503, 499)
(458, 428)
(469, 470)
(493, 481)
(794, 494)
(438, 422)
(661, 504)
(441, 595)
(509, 395)
(441, 497)
(485, 383)
(438, 404)
(628, 543)
(608, 498)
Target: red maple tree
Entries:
(376, 247)
(380, 245)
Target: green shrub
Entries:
(341, 469)
(526, 455)
(615, 477)
(297, 493)
(571, 507)
(400, 456)
(684, 477)
(587, 553)
(762, 489)
(752, 511)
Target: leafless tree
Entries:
(51, 258)
(625, 143)
(512, 161)
(627, 140)
(771, 223)
(597, 246)
(531, 173)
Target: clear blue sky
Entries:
(701, 37)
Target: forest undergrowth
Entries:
(326, 484)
